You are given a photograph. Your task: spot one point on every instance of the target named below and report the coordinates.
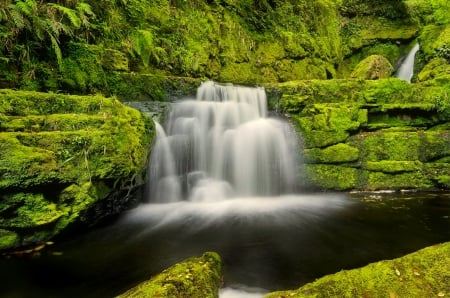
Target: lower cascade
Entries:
(222, 145)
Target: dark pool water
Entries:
(265, 243)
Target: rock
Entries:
(370, 134)
(420, 274)
(194, 277)
(372, 68)
(60, 155)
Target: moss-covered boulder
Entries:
(194, 277)
(421, 274)
(59, 156)
(372, 68)
(371, 134)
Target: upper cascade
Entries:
(222, 145)
(406, 69)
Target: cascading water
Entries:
(406, 69)
(222, 145)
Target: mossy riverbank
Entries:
(371, 134)
(59, 156)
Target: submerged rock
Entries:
(421, 274)
(194, 277)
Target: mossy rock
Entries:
(393, 166)
(372, 68)
(359, 32)
(339, 153)
(435, 68)
(420, 274)
(60, 155)
(194, 277)
(331, 176)
(8, 239)
(404, 146)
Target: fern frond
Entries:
(142, 44)
(70, 13)
(24, 8)
(16, 17)
(57, 50)
(51, 27)
(84, 8)
(32, 4)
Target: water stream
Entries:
(406, 69)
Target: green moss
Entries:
(194, 277)
(82, 70)
(397, 181)
(320, 139)
(372, 68)
(32, 210)
(243, 73)
(362, 31)
(92, 143)
(114, 60)
(8, 239)
(401, 146)
(435, 145)
(420, 274)
(76, 199)
(393, 166)
(338, 153)
(435, 68)
(331, 176)
(439, 172)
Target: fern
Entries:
(142, 44)
(27, 8)
(57, 50)
(16, 16)
(85, 8)
(70, 13)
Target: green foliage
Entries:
(82, 69)
(420, 274)
(142, 43)
(194, 277)
(387, 8)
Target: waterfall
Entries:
(222, 145)
(406, 69)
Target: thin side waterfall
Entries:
(222, 145)
(406, 69)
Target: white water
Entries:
(222, 145)
(406, 69)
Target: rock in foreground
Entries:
(421, 274)
(194, 277)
